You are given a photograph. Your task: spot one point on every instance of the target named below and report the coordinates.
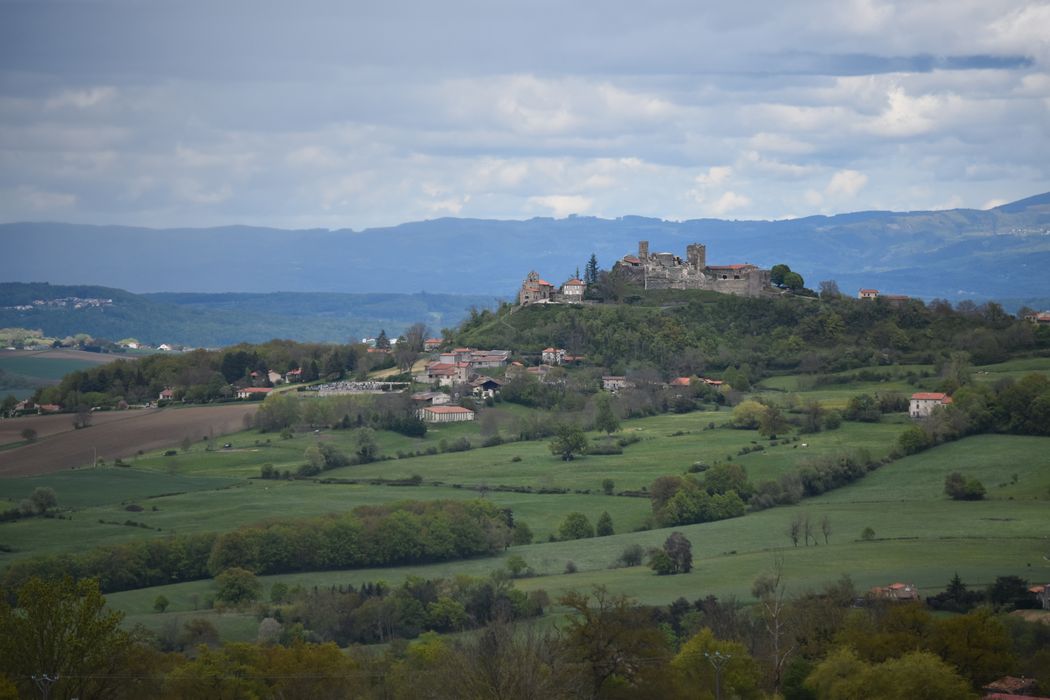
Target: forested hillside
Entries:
(212, 320)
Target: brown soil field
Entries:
(115, 434)
(52, 424)
(66, 354)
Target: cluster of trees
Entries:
(675, 557)
(1007, 593)
(682, 500)
(959, 488)
(725, 491)
(391, 411)
(1020, 407)
(815, 644)
(577, 526)
(206, 375)
(714, 333)
(400, 533)
(39, 502)
(376, 614)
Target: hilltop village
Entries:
(660, 271)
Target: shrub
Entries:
(570, 567)
(867, 534)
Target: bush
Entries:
(607, 486)
(959, 488)
(867, 534)
(570, 567)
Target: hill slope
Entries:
(959, 253)
(226, 319)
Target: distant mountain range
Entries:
(1001, 253)
(211, 320)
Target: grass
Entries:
(40, 366)
(921, 537)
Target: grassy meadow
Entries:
(921, 536)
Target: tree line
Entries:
(402, 533)
(832, 643)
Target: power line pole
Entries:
(718, 661)
(44, 682)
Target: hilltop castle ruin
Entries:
(668, 271)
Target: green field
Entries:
(921, 536)
(44, 366)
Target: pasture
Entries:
(921, 537)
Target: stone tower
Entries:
(696, 255)
(643, 251)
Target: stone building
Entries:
(669, 271)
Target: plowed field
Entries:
(112, 435)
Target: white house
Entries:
(572, 291)
(553, 356)
(923, 403)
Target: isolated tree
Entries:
(794, 529)
(829, 290)
(605, 417)
(772, 422)
(43, 499)
(82, 417)
(680, 551)
(236, 586)
(414, 337)
(382, 341)
(569, 441)
(367, 449)
(590, 272)
(825, 528)
(777, 273)
(160, 604)
(576, 526)
(771, 592)
(605, 525)
(608, 486)
(794, 281)
(29, 434)
(405, 357)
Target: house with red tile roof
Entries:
(445, 414)
(868, 294)
(923, 402)
(897, 592)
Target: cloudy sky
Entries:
(353, 113)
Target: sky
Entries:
(357, 114)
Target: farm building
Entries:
(923, 403)
(445, 414)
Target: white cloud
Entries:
(715, 175)
(563, 205)
(729, 202)
(846, 183)
(993, 203)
